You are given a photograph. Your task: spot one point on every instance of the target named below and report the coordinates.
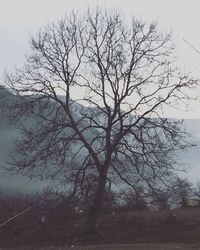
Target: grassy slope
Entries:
(151, 226)
(126, 228)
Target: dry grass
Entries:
(133, 230)
(120, 247)
(140, 247)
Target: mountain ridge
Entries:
(20, 183)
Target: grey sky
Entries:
(20, 18)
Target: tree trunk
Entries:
(96, 206)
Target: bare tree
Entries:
(182, 191)
(94, 87)
(197, 190)
(161, 199)
(133, 201)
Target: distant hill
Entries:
(192, 156)
(8, 132)
(18, 183)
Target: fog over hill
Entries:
(192, 156)
(19, 183)
(10, 182)
(8, 133)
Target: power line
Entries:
(191, 46)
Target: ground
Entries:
(142, 230)
(141, 246)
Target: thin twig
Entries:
(12, 218)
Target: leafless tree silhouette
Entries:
(93, 89)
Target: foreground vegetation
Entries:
(164, 229)
(124, 247)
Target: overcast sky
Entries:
(21, 18)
